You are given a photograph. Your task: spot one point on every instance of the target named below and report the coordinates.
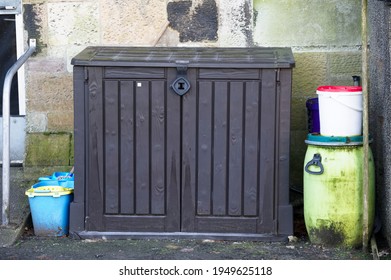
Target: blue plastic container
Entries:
(60, 176)
(312, 105)
(55, 183)
(50, 210)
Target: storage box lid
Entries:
(255, 57)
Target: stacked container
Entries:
(333, 177)
(49, 201)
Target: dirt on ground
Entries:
(298, 247)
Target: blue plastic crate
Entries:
(50, 210)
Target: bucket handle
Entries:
(347, 105)
(317, 161)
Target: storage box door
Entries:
(228, 151)
(133, 158)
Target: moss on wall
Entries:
(48, 149)
(308, 23)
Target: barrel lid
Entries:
(321, 140)
(340, 88)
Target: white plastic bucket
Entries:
(340, 110)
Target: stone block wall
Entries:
(324, 36)
(64, 27)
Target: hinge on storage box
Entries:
(85, 73)
(278, 75)
(181, 67)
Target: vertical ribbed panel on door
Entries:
(228, 167)
(134, 164)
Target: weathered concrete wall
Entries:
(236, 23)
(324, 35)
(308, 24)
(380, 107)
(64, 27)
(202, 20)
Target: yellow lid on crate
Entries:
(53, 191)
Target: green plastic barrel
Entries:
(333, 190)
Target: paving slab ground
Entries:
(21, 179)
(18, 207)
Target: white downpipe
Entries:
(6, 128)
